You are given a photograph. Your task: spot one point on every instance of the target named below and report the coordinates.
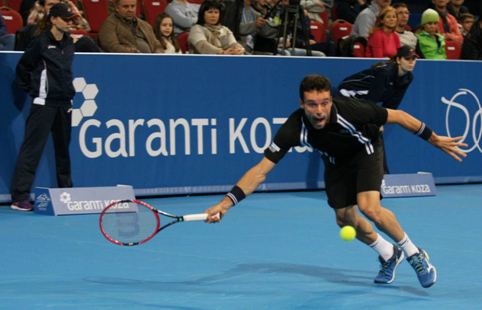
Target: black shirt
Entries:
(351, 132)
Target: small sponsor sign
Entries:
(408, 185)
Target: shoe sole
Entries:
(20, 209)
(394, 270)
(435, 269)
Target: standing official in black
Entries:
(45, 72)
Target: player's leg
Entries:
(61, 134)
(350, 216)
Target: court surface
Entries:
(273, 251)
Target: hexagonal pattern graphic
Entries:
(90, 91)
(76, 117)
(79, 84)
(88, 108)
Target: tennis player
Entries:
(345, 132)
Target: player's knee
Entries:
(372, 212)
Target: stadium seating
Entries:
(340, 28)
(452, 49)
(318, 31)
(13, 4)
(13, 20)
(182, 39)
(358, 49)
(152, 8)
(96, 11)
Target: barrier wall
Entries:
(194, 124)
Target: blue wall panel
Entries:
(194, 124)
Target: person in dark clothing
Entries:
(472, 46)
(45, 72)
(384, 82)
(349, 9)
(344, 131)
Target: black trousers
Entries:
(42, 120)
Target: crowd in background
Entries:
(267, 27)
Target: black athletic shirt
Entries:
(351, 132)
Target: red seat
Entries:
(96, 12)
(318, 31)
(340, 28)
(13, 4)
(182, 39)
(13, 20)
(196, 1)
(324, 17)
(452, 49)
(333, 12)
(358, 50)
(152, 8)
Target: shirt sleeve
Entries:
(27, 64)
(286, 138)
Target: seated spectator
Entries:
(349, 9)
(383, 40)
(37, 13)
(184, 15)
(366, 19)
(406, 37)
(448, 25)
(256, 33)
(25, 35)
(456, 9)
(467, 21)
(313, 8)
(7, 41)
(208, 36)
(431, 44)
(122, 32)
(164, 31)
(472, 47)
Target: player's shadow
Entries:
(332, 275)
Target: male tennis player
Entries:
(345, 132)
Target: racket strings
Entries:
(130, 222)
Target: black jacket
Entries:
(378, 84)
(45, 69)
(472, 46)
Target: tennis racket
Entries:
(132, 222)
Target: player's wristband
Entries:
(424, 132)
(236, 195)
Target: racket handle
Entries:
(195, 217)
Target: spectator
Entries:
(163, 29)
(467, 21)
(122, 32)
(431, 44)
(37, 13)
(406, 37)
(472, 47)
(448, 25)
(257, 32)
(184, 15)
(456, 9)
(49, 57)
(383, 40)
(25, 35)
(7, 41)
(208, 36)
(313, 8)
(366, 19)
(349, 9)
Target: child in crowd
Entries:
(466, 20)
(164, 31)
(383, 40)
(431, 44)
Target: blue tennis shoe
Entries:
(387, 268)
(426, 273)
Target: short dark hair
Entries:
(399, 5)
(210, 4)
(314, 82)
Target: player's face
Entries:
(126, 9)
(317, 106)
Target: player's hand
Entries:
(449, 145)
(216, 212)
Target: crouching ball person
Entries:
(45, 72)
(345, 131)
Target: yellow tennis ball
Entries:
(348, 233)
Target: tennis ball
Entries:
(348, 233)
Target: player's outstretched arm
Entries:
(245, 186)
(447, 144)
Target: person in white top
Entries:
(164, 31)
(406, 37)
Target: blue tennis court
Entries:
(273, 251)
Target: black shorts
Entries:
(343, 182)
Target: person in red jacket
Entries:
(448, 25)
(383, 41)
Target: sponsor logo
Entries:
(65, 197)
(464, 107)
(42, 201)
